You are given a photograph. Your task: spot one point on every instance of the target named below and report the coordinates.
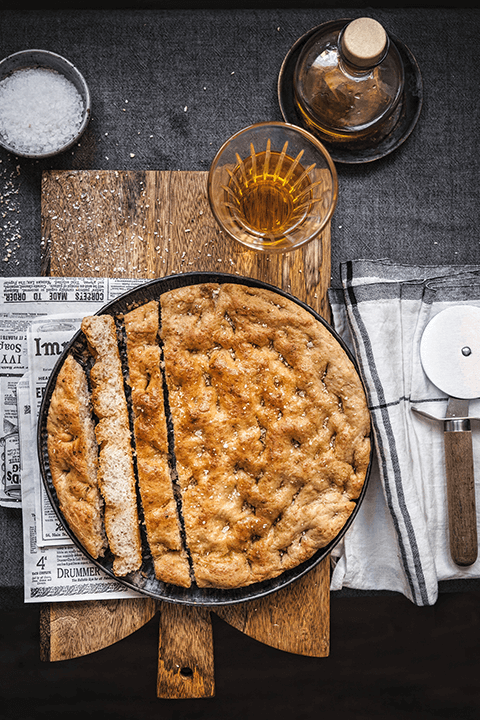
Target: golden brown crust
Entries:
(115, 471)
(72, 451)
(271, 430)
(271, 434)
(151, 442)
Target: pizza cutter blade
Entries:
(450, 355)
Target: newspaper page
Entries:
(38, 316)
(13, 364)
(22, 300)
(61, 572)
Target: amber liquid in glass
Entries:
(269, 193)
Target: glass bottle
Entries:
(348, 83)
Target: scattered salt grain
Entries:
(40, 110)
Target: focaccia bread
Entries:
(115, 462)
(162, 523)
(72, 450)
(250, 428)
(271, 430)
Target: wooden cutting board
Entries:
(149, 224)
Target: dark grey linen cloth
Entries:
(169, 86)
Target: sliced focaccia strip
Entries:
(271, 430)
(115, 471)
(151, 444)
(72, 453)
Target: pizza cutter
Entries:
(450, 355)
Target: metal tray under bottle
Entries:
(411, 105)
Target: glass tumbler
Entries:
(272, 187)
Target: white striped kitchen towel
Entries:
(399, 540)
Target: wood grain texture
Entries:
(153, 224)
(295, 619)
(157, 223)
(462, 516)
(185, 653)
(73, 629)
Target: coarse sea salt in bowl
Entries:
(44, 104)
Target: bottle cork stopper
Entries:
(364, 41)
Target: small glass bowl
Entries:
(32, 59)
(273, 187)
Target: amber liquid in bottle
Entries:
(343, 102)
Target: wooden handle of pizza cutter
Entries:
(462, 517)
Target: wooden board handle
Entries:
(185, 653)
(462, 519)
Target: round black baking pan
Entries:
(144, 580)
(410, 112)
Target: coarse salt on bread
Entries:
(72, 451)
(271, 430)
(151, 445)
